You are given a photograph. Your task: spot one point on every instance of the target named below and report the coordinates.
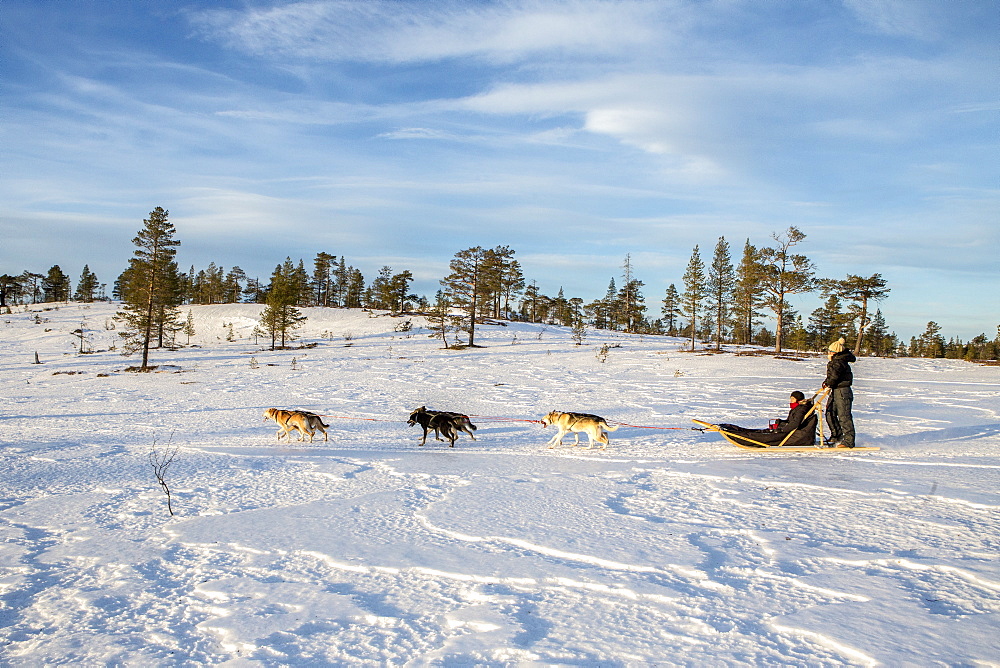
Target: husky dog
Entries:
(592, 425)
(443, 423)
(304, 422)
(314, 423)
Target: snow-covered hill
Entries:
(671, 547)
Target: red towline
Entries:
(490, 418)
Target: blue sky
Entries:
(397, 133)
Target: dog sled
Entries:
(746, 441)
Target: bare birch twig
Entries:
(161, 460)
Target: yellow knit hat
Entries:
(837, 346)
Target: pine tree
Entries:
(167, 317)
(189, 326)
(232, 286)
(439, 317)
(295, 283)
(671, 309)
(381, 296)
(694, 292)
(254, 292)
(931, 343)
(500, 280)
(747, 295)
(611, 306)
(827, 322)
(530, 304)
(354, 288)
(785, 273)
(322, 279)
(10, 290)
(191, 286)
(763, 337)
(858, 290)
(31, 285)
(299, 280)
(87, 286)
(954, 349)
(877, 336)
(214, 284)
(56, 285)
(575, 309)
(631, 304)
(490, 293)
(399, 291)
(150, 285)
(197, 283)
(462, 286)
(799, 335)
(340, 283)
(561, 309)
(721, 281)
(630, 301)
(545, 309)
(511, 278)
(281, 316)
(579, 327)
(788, 321)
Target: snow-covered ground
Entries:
(671, 547)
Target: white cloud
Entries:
(394, 32)
(417, 133)
(630, 106)
(639, 127)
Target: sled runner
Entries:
(747, 443)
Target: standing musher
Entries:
(839, 379)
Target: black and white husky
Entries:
(443, 423)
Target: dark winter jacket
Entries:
(796, 417)
(838, 370)
(804, 428)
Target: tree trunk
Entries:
(472, 316)
(780, 327)
(147, 326)
(862, 323)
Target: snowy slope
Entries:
(671, 547)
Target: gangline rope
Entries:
(493, 418)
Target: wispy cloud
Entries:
(909, 18)
(302, 112)
(416, 133)
(380, 31)
(977, 108)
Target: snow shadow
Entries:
(947, 434)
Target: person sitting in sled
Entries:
(801, 420)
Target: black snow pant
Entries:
(838, 415)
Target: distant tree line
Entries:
(53, 286)
(932, 344)
(732, 300)
(719, 302)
